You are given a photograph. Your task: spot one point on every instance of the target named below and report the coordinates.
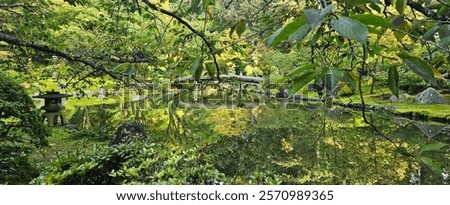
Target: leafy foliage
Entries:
(21, 128)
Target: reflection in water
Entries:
(304, 146)
(430, 130)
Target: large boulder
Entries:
(129, 131)
(429, 96)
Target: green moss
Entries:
(381, 97)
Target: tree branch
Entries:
(193, 30)
(425, 11)
(229, 77)
(43, 48)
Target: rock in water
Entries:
(429, 96)
(129, 131)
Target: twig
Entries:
(193, 30)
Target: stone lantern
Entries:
(53, 107)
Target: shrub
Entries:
(21, 128)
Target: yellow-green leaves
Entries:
(393, 80)
(351, 29)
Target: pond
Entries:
(306, 144)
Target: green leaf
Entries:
(403, 27)
(121, 67)
(397, 20)
(194, 5)
(370, 19)
(299, 70)
(357, 2)
(240, 28)
(206, 4)
(211, 68)
(393, 80)
(444, 31)
(429, 35)
(435, 147)
(444, 42)
(419, 66)
(197, 69)
(351, 28)
(302, 81)
(284, 32)
(300, 34)
(350, 79)
(400, 6)
(314, 17)
(375, 7)
(431, 164)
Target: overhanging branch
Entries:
(249, 79)
(192, 29)
(43, 48)
(425, 11)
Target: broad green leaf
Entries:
(325, 11)
(284, 32)
(444, 10)
(435, 147)
(302, 81)
(194, 5)
(351, 80)
(429, 35)
(300, 33)
(232, 30)
(431, 164)
(121, 67)
(358, 2)
(444, 42)
(398, 20)
(314, 17)
(298, 71)
(393, 80)
(419, 66)
(211, 68)
(444, 31)
(400, 6)
(370, 19)
(351, 28)
(197, 69)
(240, 28)
(130, 71)
(403, 27)
(375, 7)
